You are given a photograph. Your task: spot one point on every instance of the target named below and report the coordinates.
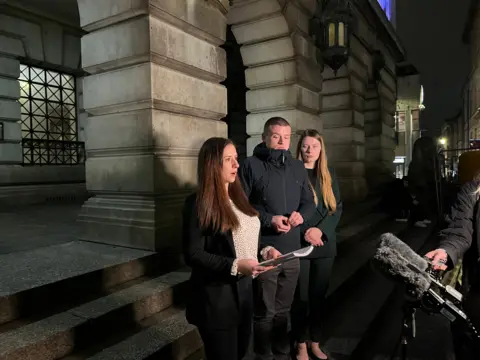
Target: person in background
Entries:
(221, 244)
(461, 239)
(401, 199)
(423, 173)
(277, 187)
(315, 270)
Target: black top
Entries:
(322, 219)
(462, 236)
(311, 176)
(215, 295)
(276, 184)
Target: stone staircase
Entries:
(93, 302)
(82, 300)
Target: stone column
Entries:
(153, 97)
(10, 115)
(343, 120)
(408, 135)
(283, 75)
(380, 133)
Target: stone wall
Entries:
(474, 49)
(31, 39)
(359, 108)
(154, 96)
(283, 75)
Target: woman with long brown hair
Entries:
(221, 244)
(319, 230)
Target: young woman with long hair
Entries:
(221, 244)
(319, 230)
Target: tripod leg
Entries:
(404, 349)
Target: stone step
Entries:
(360, 227)
(354, 305)
(90, 323)
(354, 253)
(48, 278)
(166, 336)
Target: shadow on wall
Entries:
(173, 183)
(150, 219)
(236, 95)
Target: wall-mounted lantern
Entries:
(331, 32)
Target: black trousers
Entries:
(274, 291)
(467, 347)
(231, 343)
(308, 305)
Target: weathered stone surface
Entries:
(342, 118)
(10, 146)
(153, 98)
(345, 135)
(55, 335)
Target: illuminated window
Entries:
(386, 6)
(49, 118)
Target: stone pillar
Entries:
(408, 135)
(153, 97)
(380, 133)
(343, 120)
(283, 76)
(10, 115)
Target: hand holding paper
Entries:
(287, 257)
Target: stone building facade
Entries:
(471, 111)
(407, 121)
(153, 80)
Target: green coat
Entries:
(325, 222)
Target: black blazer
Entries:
(324, 221)
(216, 296)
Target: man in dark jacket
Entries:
(461, 239)
(277, 187)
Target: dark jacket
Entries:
(215, 295)
(462, 236)
(277, 184)
(325, 222)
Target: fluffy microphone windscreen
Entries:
(391, 241)
(391, 264)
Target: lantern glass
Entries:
(331, 35)
(341, 34)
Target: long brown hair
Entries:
(321, 169)
(214, 209)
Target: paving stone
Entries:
(41, 266)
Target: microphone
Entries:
(396, 265)
(398, 262)
(390, 241)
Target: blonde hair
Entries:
(323, 174)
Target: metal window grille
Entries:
(49, 118)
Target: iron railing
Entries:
(53, 152)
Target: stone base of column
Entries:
(133, 221)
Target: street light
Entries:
(442, 141)
(331, 32)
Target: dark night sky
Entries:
(431, 32)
